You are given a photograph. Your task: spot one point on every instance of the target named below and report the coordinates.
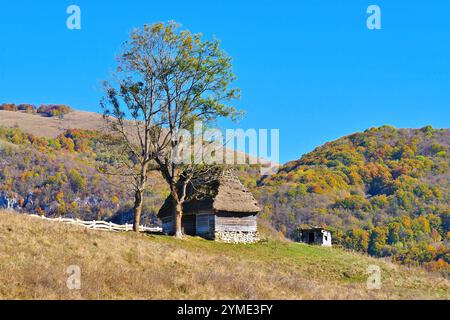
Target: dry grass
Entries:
(34, 255)
(51, 127)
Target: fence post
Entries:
(93, 224)
(110, 226)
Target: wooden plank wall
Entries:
(235, 222)
(188, 225)
(210, 223)
(206, 225)
(203, 224)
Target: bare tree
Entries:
(167, 80)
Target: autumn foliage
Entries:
(385, 192)
(51, 110)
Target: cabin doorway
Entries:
(311, 237)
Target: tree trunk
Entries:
(139, 197)
(178, 220)
(137, 209)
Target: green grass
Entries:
(329, 265)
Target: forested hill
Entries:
(61, 177)
(385, 191)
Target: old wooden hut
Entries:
(315, 236)
(222, 210)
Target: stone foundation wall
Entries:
(236, 237)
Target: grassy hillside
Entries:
(51, 127)
(384, 191)
(34, 255)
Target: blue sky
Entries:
(309, 68)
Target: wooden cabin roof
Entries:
(224, 194)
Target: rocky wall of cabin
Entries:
(236, 227)
(237, 237)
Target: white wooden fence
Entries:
(101, 225)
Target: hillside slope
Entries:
(35, 254)
(385, 191)
(49, 167)
(51, 127)
(61, 176)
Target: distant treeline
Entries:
(48, 110)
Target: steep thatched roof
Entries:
(223, 194)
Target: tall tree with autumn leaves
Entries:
(166, 80)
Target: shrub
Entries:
(54, 110)
(378, 238)
(8, 107)
(27, 108)
(354, 202)
(77, 181)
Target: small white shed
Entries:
(315, 236)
